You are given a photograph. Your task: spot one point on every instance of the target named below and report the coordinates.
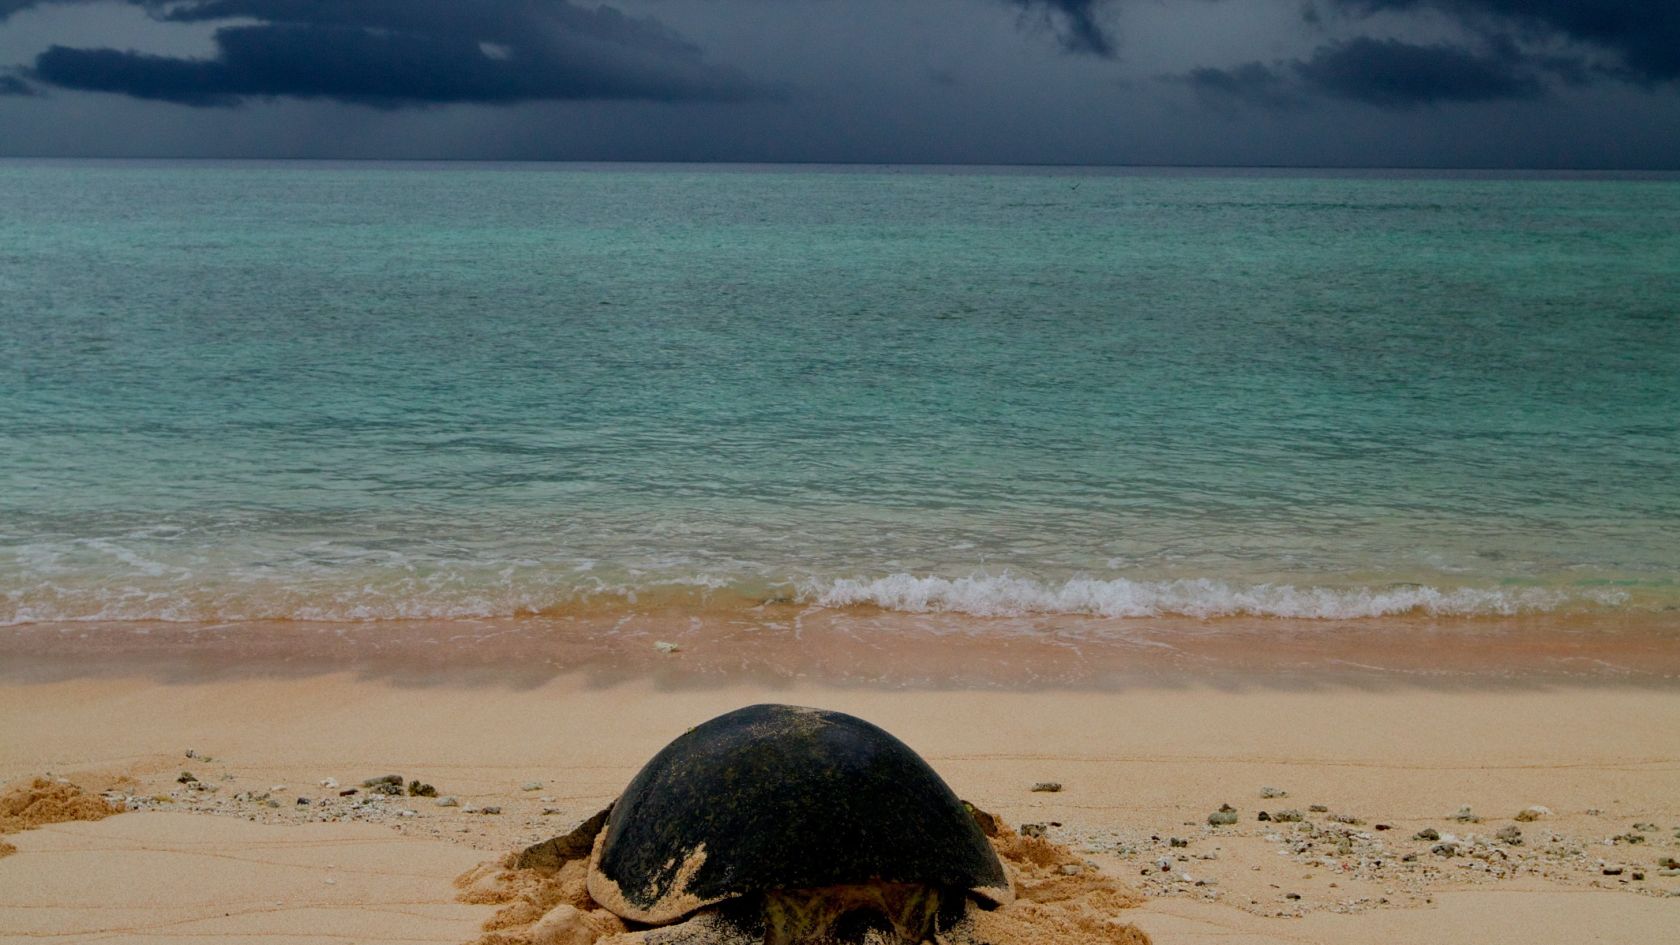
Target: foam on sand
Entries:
(1009, 596)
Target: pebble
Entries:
(1273, 792)
(1466, 816)
(531, 786)
(393, 779)
(1318, 808)
(304, 802)
(667, 647)
(1533, 812)
(186, 778)
(419, 789)
(490, 809)
(1177, 842)
(1290, 816)
(1226, 814)
(1509, 835)
(448, 800)
(1264, 817)
(1348, 819)
(1427, 833)
(330, 784)
(1071, 869)
(1032, 830)
(1612, 871)
(1048, 787)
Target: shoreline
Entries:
(879, 650)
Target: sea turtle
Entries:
(791, 825)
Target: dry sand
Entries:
(1141, 767)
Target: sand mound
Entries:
(1059, 898)
(44, 802)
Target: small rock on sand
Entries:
(1225, 815)
(1532, 813)
(1318, 808)
(1048, 787)
(1466, 816)
(1273, 792)
(1427, 833)
(448, 800)
(531, 786)
(1290, 816)
(1509, 835)
(419, 789)
(666, 647)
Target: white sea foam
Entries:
(1005, 595)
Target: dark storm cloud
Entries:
(1393, 74)
(1075, 22)
(1386, 73)
(395, 53)
(1644, 34)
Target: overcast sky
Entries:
(1467, 83)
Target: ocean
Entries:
(235, 392)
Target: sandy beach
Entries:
(262, 844)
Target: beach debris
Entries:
(1048, 787)
(1273, 792)
(1466, 816)
(420, 789)
(1532, 813)
(448, 800)
(1225, 815)
(531, 786)
(1509, 835)
(667, 647)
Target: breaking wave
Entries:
(1007, 596)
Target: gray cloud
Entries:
(1393, 74)
(1386, 73)
(397, 53)
(1645, 34)
(1077, 24)
(12, 85)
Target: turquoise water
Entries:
(329, 392)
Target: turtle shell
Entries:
(777, 797)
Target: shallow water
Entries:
(326, 392)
